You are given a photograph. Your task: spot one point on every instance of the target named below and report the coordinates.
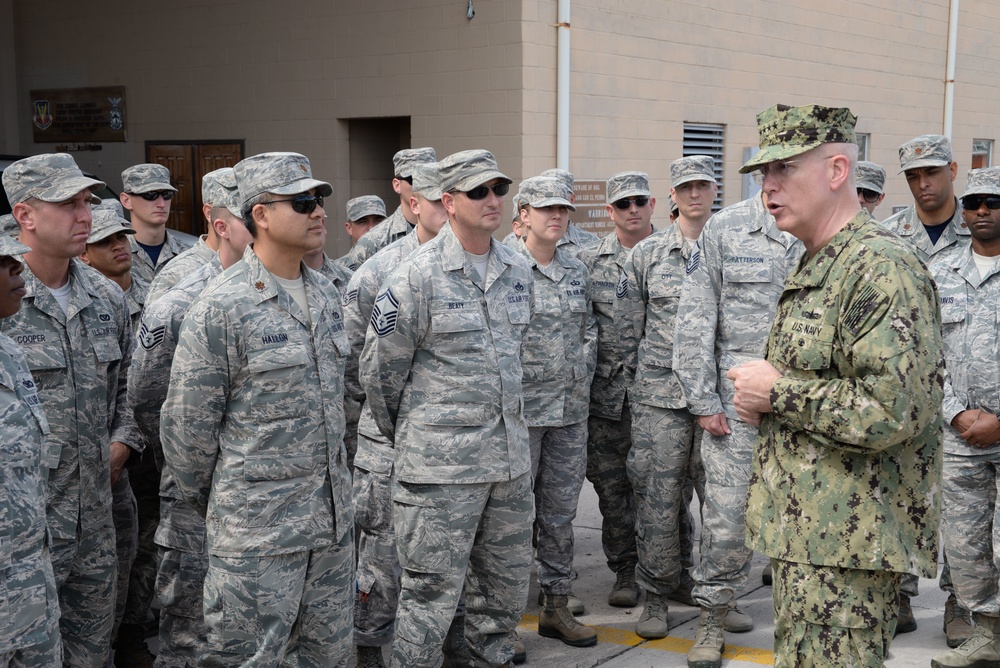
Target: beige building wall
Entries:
(289, 77)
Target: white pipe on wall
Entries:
(949, 82)
(562, 86)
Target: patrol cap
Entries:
(109, 219)
(10, 246)
(925, 151)
(692, 168)
(870, 176)
(466, 170)
(49, 177)
(9, 226)
(984, 181)
(539, 191)
(366, 205)
(278, 173)
(562, 175)
(404, 161)
(427, 181)
(216, 184)
(147, 177)
(231, 201)
(627, 184)
(789, 131)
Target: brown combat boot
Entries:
(556, 621)
(958, 626)
(710, 641)
(625, 593)
(905, 621)
(982, 650)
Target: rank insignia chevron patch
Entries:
(384, 313)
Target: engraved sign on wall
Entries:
(78, 114)
(590, 214)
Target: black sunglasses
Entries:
(973, 202)
(153, 195)
(624, 204)
(304, 204)
(500, 189)
(408, 179)
(869, 196)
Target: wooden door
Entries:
(188, 162)
(176, 158)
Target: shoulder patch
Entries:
(622, 289)
(150, 338)
(866, 303)
(694, 260)
(350, 298)
(384, 313)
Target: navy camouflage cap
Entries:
(277, 173)
(627, 184)
(789, 131)
(216, 184)
(562, 175)
(404, 161)
(466, 170)
(984, 181)
(109, 218)
(366, 205)
(145, 178)
(692, 168)
(427, 181)
(925, 151)
(870, 176)
(49, 177)
(540, 191)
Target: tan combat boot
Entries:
(958, 625)
(982, 650)
(710, 642)
(625, 592)
(556, 621)
(653, 622)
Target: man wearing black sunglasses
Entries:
(146, 194)
(253, 429)
(969, 288)
(871, 183)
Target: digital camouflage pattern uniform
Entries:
(29, 608)
(870, 176)
(139, 179)
(735, 276)
(441, 369)
(366, 205)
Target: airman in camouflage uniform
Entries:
(214, 188)
(149, 218)
(29, 608)
(180, 535)
(575, 237)
(252, 429)
(610, 422)
(969, 287)
(441, 369)
(79, 356)
(402, 220)
(559, 358)
(844, 494)
(870, 178)
(363, 213)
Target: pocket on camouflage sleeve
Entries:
(839, 597)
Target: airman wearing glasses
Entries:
(933, 224)
(146, 193)
(253, 430)
(75, 331)
(610, 424)
(441, 369)
(871, 184)
(844, 490)
(402, 220)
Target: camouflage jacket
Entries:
(337, 273)
(29, 606)
(578, 238)
(970, 335)
(135, 299)
(143, 267)
(560, 348)
(378, 237)
(375, 452)
(182, 266)
(253, 423)
(907, 225)
(616, 343)
(655, 270)
(80, 364)
(734, 278)
(441, 367)
(847, 470)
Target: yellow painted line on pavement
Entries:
(763, 657)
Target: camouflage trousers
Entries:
(288, 610)
(476, 535)
(86, 569)
(558, 464)
(608, 444)
(123, 514)
(725, 559)
(180, 583)
(46, 654)
(828, 617)
(970, 518)
(145, 481)
(377, 594)
(658, 467)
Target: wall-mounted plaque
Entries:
(78, 114)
